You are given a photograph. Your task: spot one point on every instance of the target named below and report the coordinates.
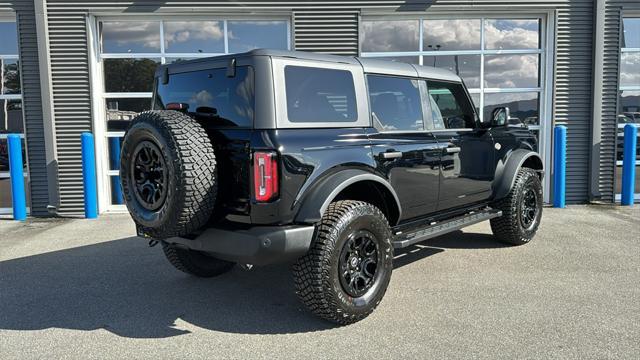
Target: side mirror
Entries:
(500, 116)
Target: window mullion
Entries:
(288, 35)
(162, 49)
(116, 95)
(115, 133)
(11, 96)
(421, 41)
(510, 90)
(130, 56)
(226, 38)
(481, 114)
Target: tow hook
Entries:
(153, 242)
(246, 267)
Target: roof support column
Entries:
(46, 93)
(598, 75)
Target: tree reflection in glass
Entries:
(523, 106)
(129, 75)
(10, 76)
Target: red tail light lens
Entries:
(265, 176)
(177, 106)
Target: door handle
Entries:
(392, 154)
(453, 150)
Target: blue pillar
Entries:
(114, 162)
(559, 165)
(629, 164)
(16, 172)
(89, 176)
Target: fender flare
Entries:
(316, 202)
(506, 171)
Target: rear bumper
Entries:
(259, 245)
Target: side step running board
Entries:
(433, 230)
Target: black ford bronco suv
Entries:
(332, 162)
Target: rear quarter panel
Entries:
(306, 157)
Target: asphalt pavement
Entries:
(90, 289)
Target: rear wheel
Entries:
(195, 262)
(346, 272)
(521, 210)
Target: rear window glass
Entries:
(209, 95)
(319, 95)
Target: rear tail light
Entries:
(177, 106)
(265, 176)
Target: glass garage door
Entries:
(501, 59)
(629, 96)
(130, 50)
(11, 121)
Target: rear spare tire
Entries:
(168, 174)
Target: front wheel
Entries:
(346, 272)
(521, 210)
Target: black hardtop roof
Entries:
(370, 65)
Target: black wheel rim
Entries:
(149, 175)
(529, 208)
(359, 263)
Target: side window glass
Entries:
(319, 95)
(395, 103)
(450, 107)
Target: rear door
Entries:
(404, 152)
(466, 150)
(224, 106)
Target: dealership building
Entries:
(71, 66)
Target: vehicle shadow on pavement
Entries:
(130, 290)
(454, 240)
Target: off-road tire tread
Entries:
(311, 272)
(506, 227)
(182, 260)
(195, 172)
